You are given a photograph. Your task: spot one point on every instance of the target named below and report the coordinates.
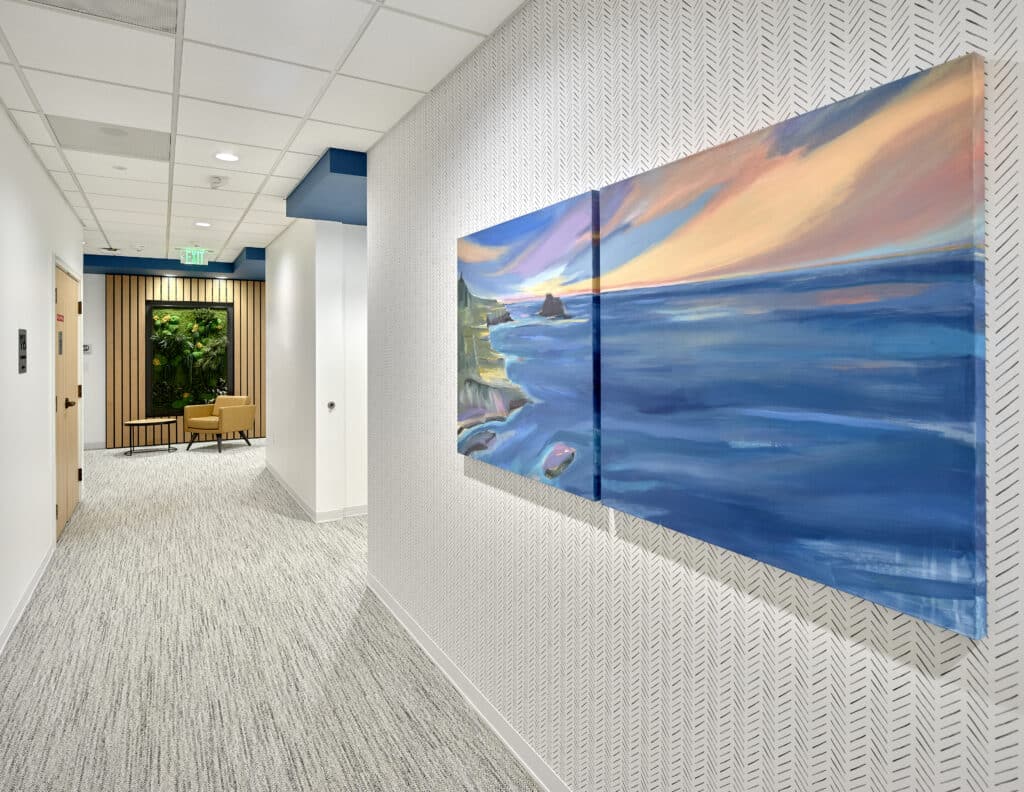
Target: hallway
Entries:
(194, 632)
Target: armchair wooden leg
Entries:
(219, 447)
(191, 440)
(246, 438)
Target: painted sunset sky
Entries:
(549, 251)
(827, 187)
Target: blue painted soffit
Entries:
(250, 265)
(334, 189)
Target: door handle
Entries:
(68, 403)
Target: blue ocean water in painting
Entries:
(552, 360)
(825, 421)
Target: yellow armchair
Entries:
(227, 414)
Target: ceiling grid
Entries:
(131, 81)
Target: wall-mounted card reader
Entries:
(22, 351)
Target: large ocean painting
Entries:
(527, 341)
(792, 346)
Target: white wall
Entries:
(320, 456)
(94, 368)
(35, 226)
(291, 360)
(624, 655)
(355, 343)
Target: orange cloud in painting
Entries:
(906, 177)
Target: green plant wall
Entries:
(189, 350)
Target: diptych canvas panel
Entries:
(527, 346)
(792, 346)
(788, 359)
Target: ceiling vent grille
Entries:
(159, 15)
(80, 135)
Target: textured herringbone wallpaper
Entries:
(631, 657)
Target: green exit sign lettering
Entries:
(194, 257)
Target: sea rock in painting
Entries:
(498, 317)
(552, 308)
(558, 459)
(485, 391)
(478, 441)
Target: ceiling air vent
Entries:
(122, 141)
(159, 15)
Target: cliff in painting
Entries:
(527, 346)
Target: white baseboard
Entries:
(542, 773)
(19, 611)
(315, 516)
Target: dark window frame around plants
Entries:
(154, 306)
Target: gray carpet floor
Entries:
(194, 632)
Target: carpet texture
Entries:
(194, 632)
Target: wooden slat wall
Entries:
(126, 347)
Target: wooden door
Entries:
(67, 390)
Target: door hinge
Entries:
(79, 474)
(79, 391)
(54, 296)
(57, 511)
(79, 307)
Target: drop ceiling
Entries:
(127, 102)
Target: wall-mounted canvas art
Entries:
(527, 346)
(792, 346)
(189, 346)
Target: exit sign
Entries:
(194, 257)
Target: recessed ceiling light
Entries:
(227, 156)
(202, 224)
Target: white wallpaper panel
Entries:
(631, 657)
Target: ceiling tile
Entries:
(194, 212)
(101, 102)
(280, 186)
(204, 196)
(199, 151)
(241, 79)
(75, 44)
(126, 188)
(88, 163)
(51, 158)
(183, 239)
(295, 31)
(112, 216)
(64, 180)
(483, 16)
(117, 202)
(85, 218)
(369, 105)
(270, 203)
(199, 176)
(12, 92)
(407, 51)
(248, 229)
(220, 122)
(32, 127)
(216, 234)
(295, 165)
(231, 253)
(317, 136)
(267, 218)
(75, 198)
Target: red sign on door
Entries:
(60, 317)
